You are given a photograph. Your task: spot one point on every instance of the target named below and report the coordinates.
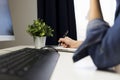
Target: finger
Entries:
(61, 40)
(65, 45)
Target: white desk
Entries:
(67, 70)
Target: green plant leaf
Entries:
(39, 28)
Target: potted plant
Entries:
(39, 30)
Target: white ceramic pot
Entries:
(39, 42)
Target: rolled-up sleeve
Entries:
(96, 30)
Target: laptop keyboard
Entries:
(21, 61)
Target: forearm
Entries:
(95, 10)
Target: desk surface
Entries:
(67, 70)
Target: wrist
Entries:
(76, 44)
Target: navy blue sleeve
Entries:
(101, 43)
(107, 53)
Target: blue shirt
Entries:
(102, 42)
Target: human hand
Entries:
(67, 42)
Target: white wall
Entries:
(81, 12)
(23, 12)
